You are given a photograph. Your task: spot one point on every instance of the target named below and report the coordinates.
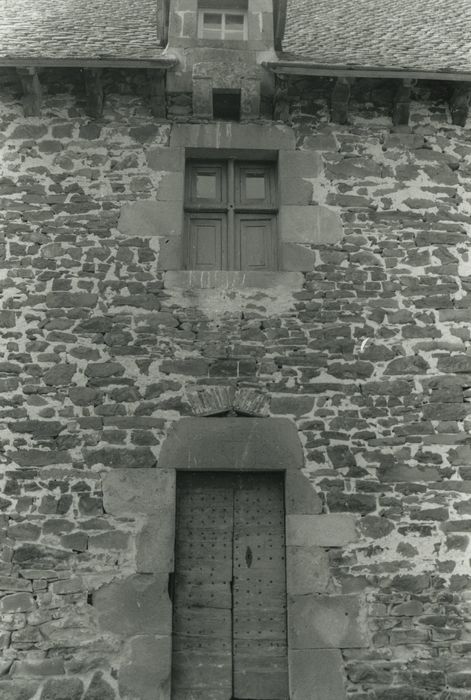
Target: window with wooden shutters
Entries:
(229, 622)
(230, 215)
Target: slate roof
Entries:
(59, 29)
(430, 35)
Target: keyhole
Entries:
(248, 557)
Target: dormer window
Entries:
(222, 20)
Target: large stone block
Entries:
(155, 544)
(170, 188)
(131, 491)
(150, 218)
(166, 159)
(326, 622)
(234, 280)
(233, 444)
(300, 495)
(297, 258)
(307, 570)
(17, 690)
(329, 530)
(170, 254)
(310, 224)
(138, 604)
(304, 164)
(316, 674)
(145, 673)
(249, 137)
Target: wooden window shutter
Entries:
(256, 241)
(207, 241)
(230, 213)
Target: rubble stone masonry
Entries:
(101, 356)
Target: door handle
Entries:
(248, 557)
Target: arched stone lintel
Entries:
(232, 444)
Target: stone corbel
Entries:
(202, 97)
(459, 103)
(94, 92)
(401, 102)
(32, 93)
(281, 99)
(339, 101)
(157, 95)
(250, 98)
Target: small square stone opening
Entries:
(226, 105)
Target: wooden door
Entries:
(230, 594)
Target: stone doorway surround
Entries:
(137, 607)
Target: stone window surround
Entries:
(301, 222)
(237, 444)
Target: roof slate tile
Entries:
(400, 34)
(60, 29)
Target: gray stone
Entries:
(306, 164)
(67, 300)
(145, 675)
(155, 543)
(39, 668)
(96, 324)
(326, 622)
(138, 604)
(17, 690)
(228, 279)
(170, 187)
(17, 602)
(8, 384)
(404, 472)
(323, 141)
(170, 252)
(39, 458)
(146, 132)
(7, 319)
(297, 258)
(99, 689)
(38, 428)
(104, 369)
(307, 570)
(316, 674)
(329, 530)
(83, 396)
(454, 363)
(139, 491)
(166, 159)
(375, 526)
(62, 689)
(232, 443)
(232, 135)
(59, 375)
(407, 365)
(294, 405)
(151, 218)
(315, 224)
(121, 457)
(300, 495)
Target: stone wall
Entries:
(369, 356)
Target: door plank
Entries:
(259, 587)
(202, 639)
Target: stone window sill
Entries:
(232, 279)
